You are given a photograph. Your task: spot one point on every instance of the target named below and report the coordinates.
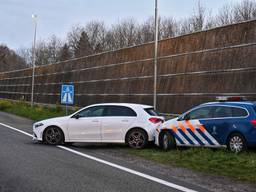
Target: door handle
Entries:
(95, 121)
(125, 120)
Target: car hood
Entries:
(56, 119)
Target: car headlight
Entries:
(38, 125)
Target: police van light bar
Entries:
(231, 98)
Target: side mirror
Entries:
(183, 118)
(77, 116)
(180, 118)
(186, 118)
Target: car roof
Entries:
(123, 104)
(230, 103)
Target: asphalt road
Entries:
(29, 166)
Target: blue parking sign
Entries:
(67, 94)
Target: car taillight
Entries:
(253, 122)
(155, 120)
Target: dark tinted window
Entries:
(92, 112)
(200, 113)
(119, 111)
(222, 111)
(152, 111)
(239, 112)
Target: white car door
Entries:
(116, 122)
(86, 125)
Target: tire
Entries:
(137, 139)
(53, 136)
(167, 141)
(236, 143)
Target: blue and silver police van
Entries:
(230, 122)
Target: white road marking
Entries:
(155, 179)
(23, 132)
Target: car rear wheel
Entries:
(53, 136)
(236, 143)
(137, 138)
(167, 141)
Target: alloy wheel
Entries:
(136, 139)
(53, 136)
(236, 144)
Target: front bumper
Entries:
(37, 133)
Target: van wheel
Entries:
(167, 141)
(236, 143)
(137, 138)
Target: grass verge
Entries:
(219, 162)
(35, 113)
(214, 161)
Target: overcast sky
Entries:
(58, 16)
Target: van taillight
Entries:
(253, 122)
(155, 120)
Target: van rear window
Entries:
(151, 111)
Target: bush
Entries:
(5, 104)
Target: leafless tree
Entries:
(246, 10)
(146, 31)
(96, 32)
(124, 33)
(9, 60)
(168, 27)
(228, 14)
(225, 16)
(73, 38)
(26, 54)
(196, 22)
(95, 37)
(53, 47)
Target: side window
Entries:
(92, 112)
(239, 112)
(222, 111)
(200, 113)
(119, 111)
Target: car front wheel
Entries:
(167, 141)
(53, 136)
(236, 143)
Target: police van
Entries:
(230, 122)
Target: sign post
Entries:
(67, 95)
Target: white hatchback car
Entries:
(133, 124)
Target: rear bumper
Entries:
(156, 137)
